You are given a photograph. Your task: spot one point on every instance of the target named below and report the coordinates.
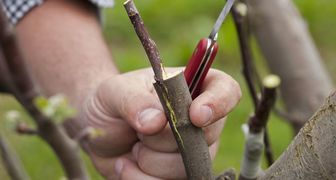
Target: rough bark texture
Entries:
(312, 154)
(11, 161)
(290, 52)
(175, 98)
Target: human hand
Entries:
(138, 143)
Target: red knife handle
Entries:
(199, 65)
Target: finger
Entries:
(213, 131)
(158, 164)
(220, 93)
(106, 166)
(164, 141)
(131, 98)
(162, 165)
(105, 144)
(128, 170)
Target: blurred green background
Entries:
(176, 26)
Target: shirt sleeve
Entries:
(17, 9)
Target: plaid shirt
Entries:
(16, 9)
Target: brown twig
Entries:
(268, 148)
(175, 98)
(11, 161)
(25, 91)
(258, 122)
(246, 53)
(148, 44)
(249, 71)
(24, 129)
(256, 128)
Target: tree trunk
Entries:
(312, 154)
(290, 52)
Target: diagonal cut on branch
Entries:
(175, 98)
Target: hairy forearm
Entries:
(65, 49)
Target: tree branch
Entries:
(255, 130)
(175, 98)
(311, 155)
(148, 44)
(24, 129)
(258, 122)
(291, 53)
(11, 161)
(239, 12)
(25, 91)
(245, 50)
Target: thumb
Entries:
(133, 99)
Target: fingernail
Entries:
(118, 166)
(206, 115)
(148, 115)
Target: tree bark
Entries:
(290, 52)
(312, 154)
(175, 98)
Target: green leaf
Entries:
(41, 102)
(56, 107)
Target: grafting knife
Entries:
(204, 54)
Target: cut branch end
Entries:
(271, 81)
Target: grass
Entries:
(176, 26)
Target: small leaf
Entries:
(56, 107)
(41, 102)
